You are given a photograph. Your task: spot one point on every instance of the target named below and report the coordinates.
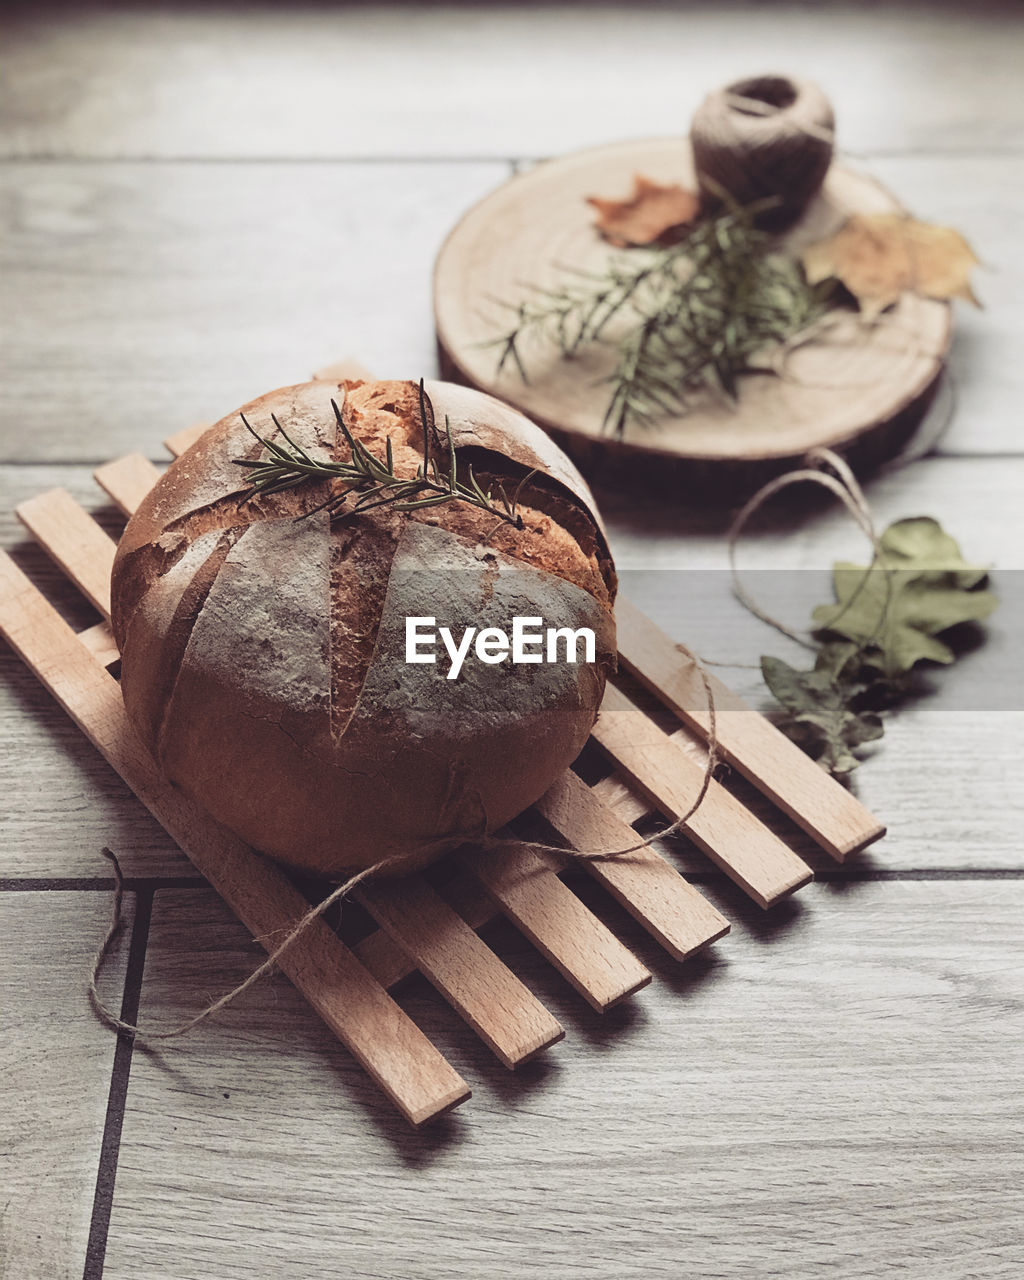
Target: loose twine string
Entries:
(798, 141)
(822, 467)
(144, 1036)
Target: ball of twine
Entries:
(769, 137)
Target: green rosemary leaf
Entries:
(453, 466)
(343, 428)
(511, 351)
(275, 449)
(302, 454)
(335, 500)
(280, 486)
(426, 418)
(416, 503)
(474, 487)
(369, 494)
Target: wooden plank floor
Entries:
(839, 1089)
(64, 1076)
(198, 203)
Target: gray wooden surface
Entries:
(197, 204)
(60, 1068)
(833, 1093)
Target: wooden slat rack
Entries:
(419, 929)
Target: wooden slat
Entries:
(74, 540)
(774, 764)
(617, 793)
(509, 1019)
(380, 1035)
(560, 926)
(185, 438)
(742, 846)
(649, 887)
(127, 480)
(99, 640)
(389, 964)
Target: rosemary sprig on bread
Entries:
(373, 478)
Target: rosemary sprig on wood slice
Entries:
(374, 478)
(689, 317)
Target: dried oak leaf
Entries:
(647, 216)
(880, 256)
(895, 611)
(820, 713)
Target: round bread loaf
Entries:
(264, 656)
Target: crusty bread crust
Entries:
(263, 657)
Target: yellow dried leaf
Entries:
(880, 256)
(646, 216)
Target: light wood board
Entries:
(853, 388)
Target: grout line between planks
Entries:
(106, 1175)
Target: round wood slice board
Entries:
(858, 388)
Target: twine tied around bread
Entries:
(823, 467)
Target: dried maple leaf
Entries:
(879, 256)
(646, 216)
